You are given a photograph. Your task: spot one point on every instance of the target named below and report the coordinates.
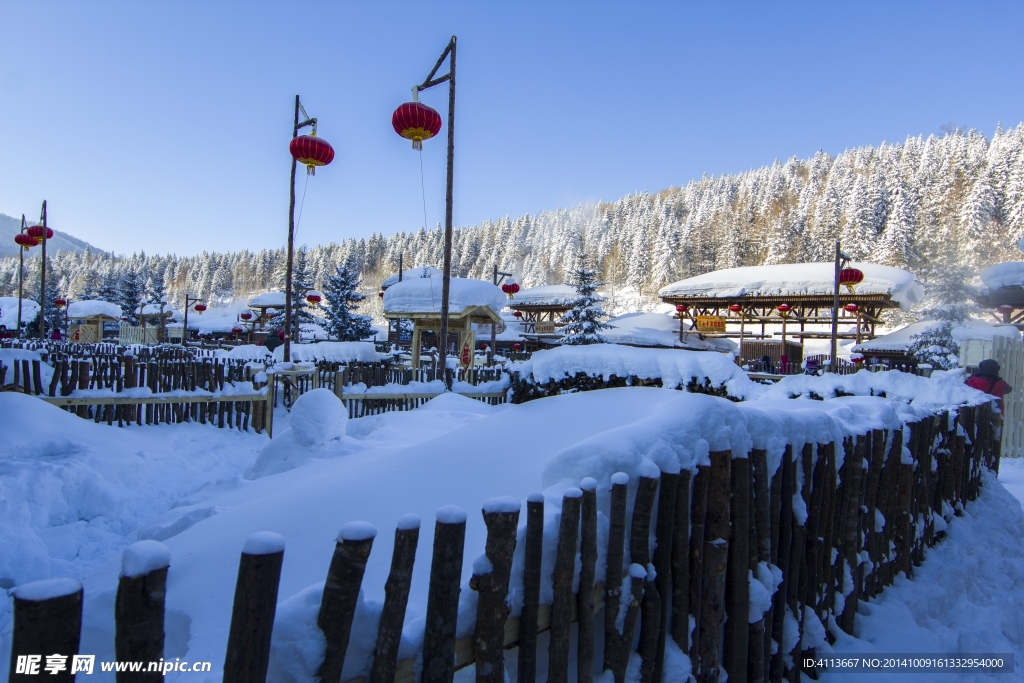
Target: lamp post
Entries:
(417, 134)
(25, 242)
(841, 259)
(312, 151)
(42, 233)
(189, 300)
(66, 305)
(499, 275)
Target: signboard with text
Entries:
(711, 324)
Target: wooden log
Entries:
(341, 594)
(716, 551)
(698, 517)
(827, 529)
(26, 378)
(904, 500)
(255, 604)
(815, 522)
(759, 552)
(786, 479)
(47, 621)
(613, 572)
(527, 669)
(871, 489)
(664, 535)
(797, 553)
(737, 583)
(640, 526)
(37, 377)
(853, 469)
(624, 641)
(139, 609)
(562, 601)
(443, 596)
(681, 564)
(650, 627)
(501, 516)
(585, 595)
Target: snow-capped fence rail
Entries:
(757, 557)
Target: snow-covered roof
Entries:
(154, 309)
(548, 295)
(1010, 274)
(795, 279)
(9, 311)
(420, 272)
(423, 295)
(89, 308)
(900, 340)
(511, 330)
(267, 299)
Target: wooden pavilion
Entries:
(86, 319)
(266, 306)
(1003, 293)
(541, 310)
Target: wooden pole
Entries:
(787, 485)
(624, 641)
(42, 280)
(291, 250)
(665, 537)
(698, 518)
(139, 609)
(681, 564)
(650, 620)
(443, 596)
(613, 570)
(758, 552)
(833, 364)
(561, 606)
(716, 551)
(21, 274)
(585, 595)
(531, 588)
(501, 516)
(47, 620)
(341, 594)
(737, 584)
(396, 599)
(252, 616)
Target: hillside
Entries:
(10, 226)
(944, 207)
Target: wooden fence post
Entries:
(252, 616)
(396, 599)
(681, 564)
(716, 552)
(490, 579)
(613, 572)
(47, 621)
(624, 641)
(565, 567)
(341, 594)
(737, 584)
(139, 609)
(588, 570)
(664, 535)
(786, 481)
(531, 588)
(443, 596)
(758, 552)
(698, 517)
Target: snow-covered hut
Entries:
(735, 302)
(266, 306)
(420, 272)
(1002, 291)
(419, 300)
(541, 309)
(86, 318)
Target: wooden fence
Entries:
(837, 535)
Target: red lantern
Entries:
(510, 288)
(380, 294)
(245, 316)
(784, 309)
(682, 308)
(518, 314)
(857, 358)
(311, 151)
(37, 232)
(313, 297)
(735, 308)
(417, 122)
(237, 330)
(516, 347)
(200, 308)
(26, 241)
(1005, 310)
(850, 278)
(852, 308)
(60, 303)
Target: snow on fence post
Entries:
(588, 570)
(737, 585)
(613, 573)
(681, 563)
(139, 609)
(491, 575)
(341, 594)
(255, 604)
(396, 599)
(561, 604)
(443, 596)
(534, 551)
(47, 620)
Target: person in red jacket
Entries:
(987, 379)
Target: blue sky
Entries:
(164, 126)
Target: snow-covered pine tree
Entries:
(129, 296)
(341, 292)
(109, 289)
(302, 283)
(936, 347)
(582, 324)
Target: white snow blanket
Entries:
(548, 295)
(8, 357)
(797, 278)
(91, 307)
(1009, 274)
(9, 311)
(901, 339)
(423, 295)
(421, 272)
(253, 352)
(659, 329)
(268, 299)
(338, 352)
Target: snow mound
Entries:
(89, 308)
(1010, 274)
(548, 295)
(357, 531)
(940, 390)
(423, 295)
(8, 357)
(317, 417)
(421, 272)
(336, 352)
(452, 402)
(143, 557)
(275, 299)
(263, 543)
(9, 311)
(46, 589)
(246, 352)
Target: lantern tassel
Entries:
(417, 144)
(310, 170)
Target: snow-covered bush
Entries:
(936, 347)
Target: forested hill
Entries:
(944, 207)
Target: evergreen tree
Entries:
(341, 292)
(109, 289)
(936, 347)
(130, 296)
(582, 323)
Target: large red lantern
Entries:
(784, 309)
(25, 241)
(518, 314)
(237, 330)
(510, 288)
(852, 308)
(60, 303)
(245, 316)
(1005, 310)
(311, 151)
(516, 347)
(850, 278)
(200, 308)
(37, 232)
(735, 308)
(417, 122)
(314, 297)
(682, 308)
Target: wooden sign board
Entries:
(711, 324)
(544, 327)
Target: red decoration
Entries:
(380, 294)
(237, 330)
(510, 288)
(417, 122)
(518, 314)
(516, 347)
(314, 298)
(1005, 309)
(858, 359)
(200, 308)
(784, 309)
(26, 241)
(852, 308)
(736, 308)
(245, 316)
(466, 357)
(682, 308)
(37, 232)
(850, 278)
(60, 303)
(311, 151)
